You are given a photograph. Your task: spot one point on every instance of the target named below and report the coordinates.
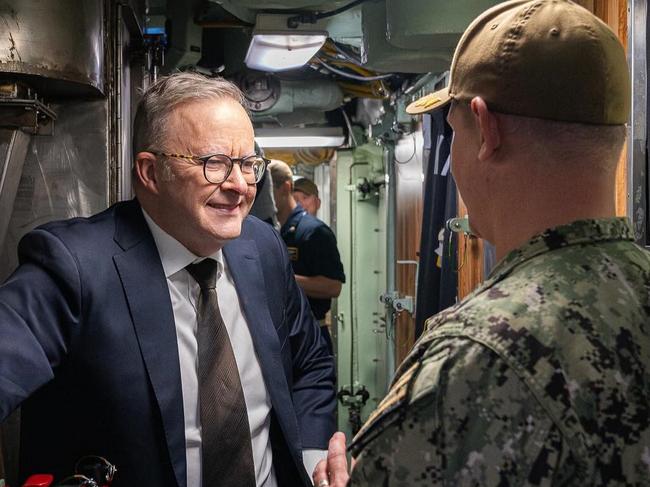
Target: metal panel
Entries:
(361, 331)
(423, 24)
(379, 54)
(637, 128)
(56, 47)
(185, 38)
(345, 27)
(129, 76)
(13, 148)
(64, 175)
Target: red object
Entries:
(39, 480)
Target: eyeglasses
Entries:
(90, 471)
(77, 481)
(217, 167)
(97, 468)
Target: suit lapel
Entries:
(245, 267)
(146, 290)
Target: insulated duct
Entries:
(267, 95)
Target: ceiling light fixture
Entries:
(279, 51)
(292, 138)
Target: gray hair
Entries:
(163, 96)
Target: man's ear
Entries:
(488, 127)
(145, 171)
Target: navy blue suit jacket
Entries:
(88, 346)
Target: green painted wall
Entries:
(360, 330)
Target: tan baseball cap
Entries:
(550, 59)
(306, 186)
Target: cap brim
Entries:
(429, 102)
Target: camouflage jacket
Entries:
(539, 377)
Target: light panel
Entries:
(278, 51)
(292, 138)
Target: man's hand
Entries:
(334, 471)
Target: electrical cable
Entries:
(336, 56)
(346, 55)
(412, 155)
(350, 131)
(331, 13)
(313, 17)
(374, 90)
(352, 76)
(354, 362)
(354, 68)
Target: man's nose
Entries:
(235, 180)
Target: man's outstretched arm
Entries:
(468, 420)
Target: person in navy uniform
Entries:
(311, 244)
(306, 194)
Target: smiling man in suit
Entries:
(167, 333)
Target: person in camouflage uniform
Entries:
(542, 375)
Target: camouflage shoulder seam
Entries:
(392, 407)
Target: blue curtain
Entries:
(437, 274)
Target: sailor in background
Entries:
(311, 245)
(305, 193)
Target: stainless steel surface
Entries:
(637, 204)
(123, 102)
(13, 148)
(127, 64)
(56, 47)
(21, 109)
(64, 175)
(391, 253)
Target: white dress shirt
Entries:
(184, 292)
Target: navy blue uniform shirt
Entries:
(313, 252)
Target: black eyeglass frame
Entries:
(204, 161)
(77, 480)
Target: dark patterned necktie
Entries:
(226, 451)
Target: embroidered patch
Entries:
(293, 253)
(396, 398)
